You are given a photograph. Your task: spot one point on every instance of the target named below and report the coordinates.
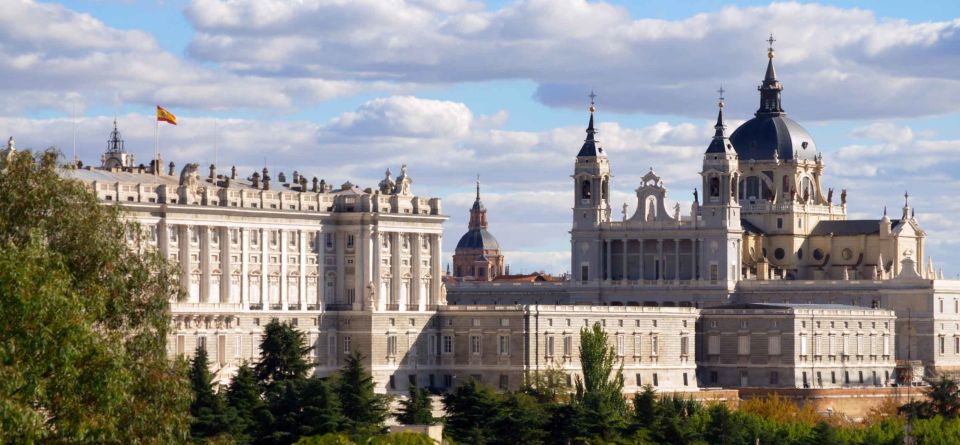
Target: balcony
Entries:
(393, 307)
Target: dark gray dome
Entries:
(478, 239)
(760, 137)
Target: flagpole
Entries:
(156, 148)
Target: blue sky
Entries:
(457, 87)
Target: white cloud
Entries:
(835, 62)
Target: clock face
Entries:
(846, 254)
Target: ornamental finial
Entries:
(770, 47)
(592, 96)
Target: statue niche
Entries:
(650, 200)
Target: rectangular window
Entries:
(391, 345)
(714, 273)
(656, 380)
(817, 348)
(803, 345)
(504, 322)
(773, 345)
(567, 345)
(504, 347)
(654, 345)
(685, 382)
(684, 346)
(504, 382)
(846, 345)
(774, 378)
(743, 345)
(713, 345)
(346, 344)
(550, 340)
(859, 345)
(620, 345)
(475, 344)
(639, 380)
(349, 241)
(714, 377)
(833, 345)
(448, 344)
(942, 343)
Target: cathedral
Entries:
(762, 283)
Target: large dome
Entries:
(760, 137)
(478, 239)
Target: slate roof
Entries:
(850, 227)
(478, 239)
(760, 137)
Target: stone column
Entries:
(245, 268)
(339, 240)
(226, 265)
(415, 272)
(302, 241)
(205, 266)
(284, 269)
(608, 266)
(435, 276)
(676, 259)
(395, 269)
(363, 269)
(623, 269)
(660, 262)
(375, 274)
(183, 257)
(264, 268)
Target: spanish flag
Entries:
(165, 116)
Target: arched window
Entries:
(786, 185)
(605, 189)
(806, 190)
(714, 187)
(585, 189)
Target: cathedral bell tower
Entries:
(591, 208)
(720, 210)
(720, 174)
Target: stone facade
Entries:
(796, 345)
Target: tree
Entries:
(282, 353)
(244, 399)
(206, 409)
(84, 318)
(417, 409)
(599, 393)
(363, 410)
(944, 397)
(521, 420)
(549, 385)
(472, 412)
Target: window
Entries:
(349, 241)
(684, 346)
(448, 344)
(833, 377)
(504, 347)
(504, 322)
(550, 341)
(773, 345)
(714, 273)
(620, 345)
(475, 322)
(504, 382)
(713, 345)
(774, 378)
(714, 376)
(942, 343)
(803, 345)
(685, 383)
(567, 345)
(475, 344)
(656, 380)
(391, 345)
(639, 380)
(743, 345)
(654, 345)
(817, 347)
(346, 344)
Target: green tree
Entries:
(206, 410)
(84, 319)
(549, 385)
(282, 353)
(417, 409)
(363, 410)
(599, 398)
(521, 420)
(472, 413)
(244, 399)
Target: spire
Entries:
(720, 143)
(478, 213)
(771, 87)
(591, 146)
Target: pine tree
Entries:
(472, 413)
(207, 407)
(244, 399)
(320, 407)
(417, 409)
(282, 352)
(363, 410)
(521, 420)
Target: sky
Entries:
(344, 89)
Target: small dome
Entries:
(759, 138)
(478, 239)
